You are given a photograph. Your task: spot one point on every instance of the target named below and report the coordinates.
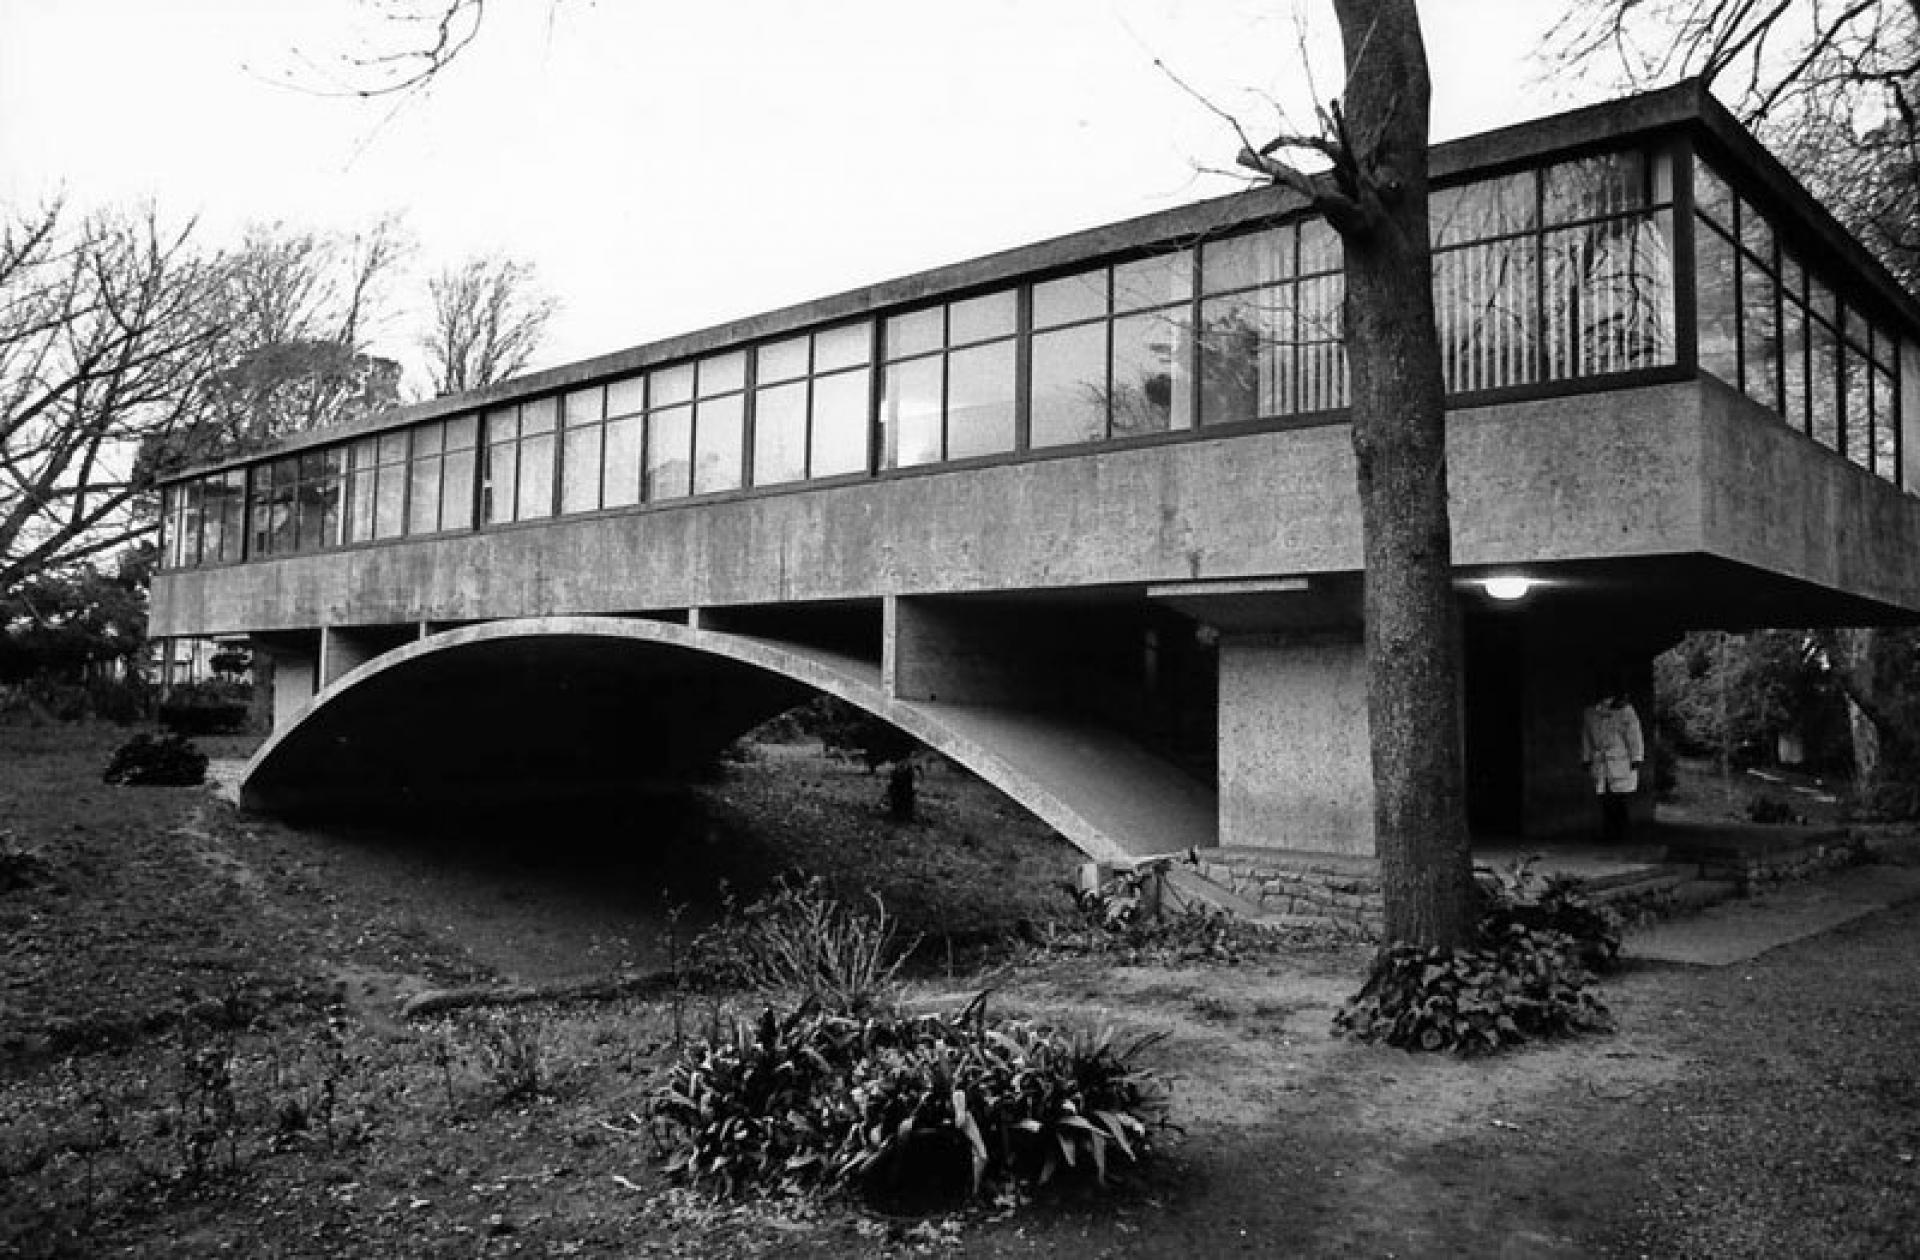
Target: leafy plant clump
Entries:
(1518, 896)
(797, 941)
(938, 1105)
(1519, 985)
(1127, 916)
(149, 760)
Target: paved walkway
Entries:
(1740, 930)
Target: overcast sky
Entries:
(668, 166)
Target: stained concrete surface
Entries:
(1739, 931)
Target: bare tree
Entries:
(108, 327)
(300, 307)
(489, 315)
(1373, 192)
(1833, 86)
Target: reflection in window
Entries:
(780, 434)
(1485, 299)
(1717, 321)
(719, 444)
(582, 448)
(1151, 390)
(621, 479)
(910, 412)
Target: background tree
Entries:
(488, 317)
(109, 325)
(301, 307)
(1374, 194)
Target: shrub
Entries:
(1548, 903)
(797, 941)
(1519, 985)
(1126, 916)
(157, 761)
(205, 708)
(819, 1101)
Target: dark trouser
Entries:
(1615, 827)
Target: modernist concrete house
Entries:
(1082, 514)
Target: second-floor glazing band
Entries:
(1562, 276)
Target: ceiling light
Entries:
(1508, 588)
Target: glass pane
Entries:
(1485, 300)
(393, 447)
(1758, 332)
(780, 434)
(1246, 356)
(1239, 262)
(462, 432)
(1824, 385)
(982, 318)
(1856, 415)
(1069, 386)
(723, 373)
(215, 497)
(1755, 233)
(584, 406)
(1718, 320)
(428, 439)
(1483, 209)
(580, 470)
(839, 425)
(674, 385)
(719, 436)
(1886, 451)
(360, 505)
(503, 471)
(1158, 281)
(980, 401)
(1320, 363)
(910, 413)
(539, 415)
(1587, 188)
(1319, 248)
(625, 397)
(389, 502)
(536, 479)
(1711, 196)
(1070, 299)
(423, 499)
(781, 361)
(1910, 416)
(456, 491)
(1152, 391)
(670, 453)
(849, 345)
(1793, 364)
(916, 332)
(623, 462)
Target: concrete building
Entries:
(1082, 514)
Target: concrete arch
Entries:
(595, 703)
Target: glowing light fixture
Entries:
(1508, 589)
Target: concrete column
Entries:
(343, 650)
(291, 673)
(959, 652)
(1296, 767)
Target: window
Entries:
(1277, 348)
(810, 405)
(950, 389)
(669, 433)
(719, 423)
(1111, 349)
(296, 503)
(519, 482)
(440, 487)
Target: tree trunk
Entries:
(1399, 437)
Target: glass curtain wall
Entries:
(1772, 326)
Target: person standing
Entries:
(1611, 745)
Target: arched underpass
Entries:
(587, 706)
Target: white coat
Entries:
(1610, 745)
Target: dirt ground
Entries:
(201, 1050)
